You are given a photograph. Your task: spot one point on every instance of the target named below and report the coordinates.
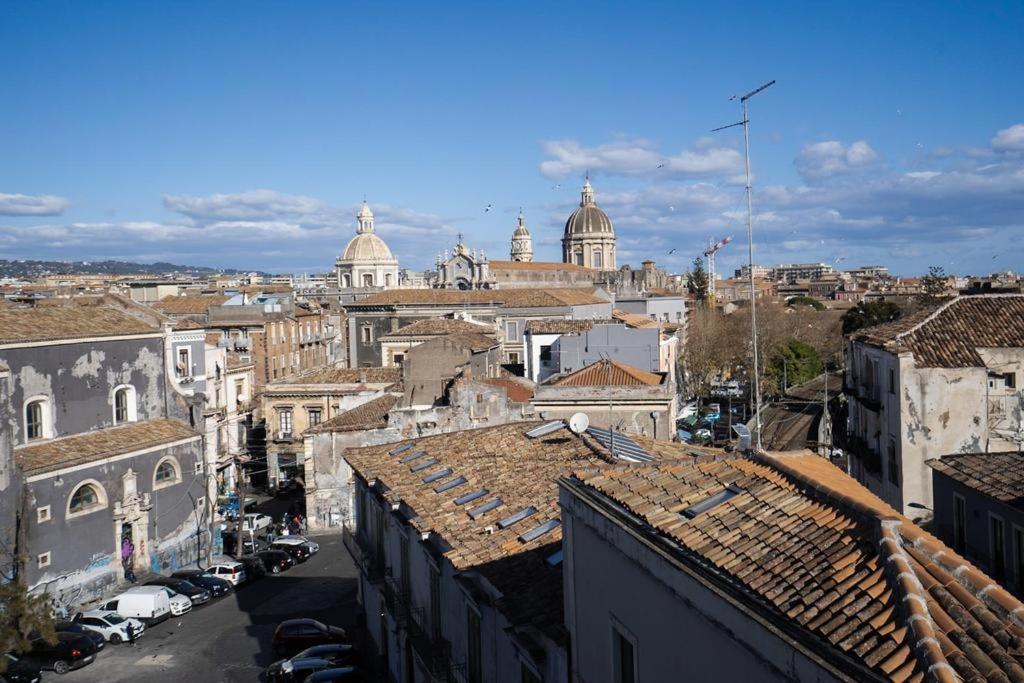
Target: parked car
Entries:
(199, 577)
(110, 625)
(294, 635)
(179, 604)
(20, 670)
(275, 561)
(229, 507)
(150, 608)
(297, 551)
(254, 568)
(74, 627)
(339, 653)
(197, 595)
(296, 669)
(256, 521)
(231, 571)
(228, 537)
(343, 673)
(71, 651)
(312, 546)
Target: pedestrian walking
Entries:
(127, 552)
(131, 633)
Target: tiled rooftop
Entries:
(189, 304)
(507, 298)
(471, 340)
(327, 375)
(633, 319)
(538, 265)
(370, 415)
(606, 372)
(517, 391)
(80, 449)
(518, 470)
(997, 475)
(949, 336)
(561, 326)
(430, 327)
(47, 323)
(828, 561)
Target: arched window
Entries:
(37, 418)
(579, 258)
(87, 497)
(367, 279)
(597, 260)
(387, 279)
(167, 473)
(124, 404)
(346, 281)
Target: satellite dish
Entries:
(579, 422)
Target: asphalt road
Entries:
(229, 639)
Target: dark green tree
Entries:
(697, 280)
(805, 301)
(869, 314)
(794, 363)
(935, 285)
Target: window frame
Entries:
(101, 499)
(997, 561)
(45, 415)
(281, 412)
(43, 514)
(187, 371)
(618, 633)
(44, 560)
(314, 410)
(474, 655)
(1017, 533)
(959, 523)
(175, 466)
(131, 403)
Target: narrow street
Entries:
(229, 640)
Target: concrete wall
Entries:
(979, 510)
(85, 561)
(430, 368)
(80, 378)
(9, 478)
(669, 309)
(637, 347)
(673, 619)
(631, 408)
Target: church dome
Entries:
(588, 218)
(521, 229)
(367, 248)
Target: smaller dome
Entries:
(365, 212)
(521, 230)
(367, 247)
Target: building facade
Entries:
(367, 262)
(589, 238)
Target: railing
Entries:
(859, 448)
(371, 568)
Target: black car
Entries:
(300, 669)
(198, 577)
(71, 651)
(254, 567)
(275, 561)
(299, 553)
(78, 629)
(19, 671)
(295, 635)
(196, 594)
(342, 673)
(231, 545)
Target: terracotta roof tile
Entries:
(193, 304)
(560, 326)
(370, 415)
(67, 322)
(430, 327)
(633, 319)
(802, 538)
(506, 298)
(79, 449)
(328, 375)
(997, 475)
(539, 265)
(517, 391)
(948, 336)
(606, 372)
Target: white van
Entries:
(146, 603)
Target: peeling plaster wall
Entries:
(80, 379)
(8, 477)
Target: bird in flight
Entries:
(661, 165)
(671, 208)
(487, 209)
(672, 250)
(556, 186)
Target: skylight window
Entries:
(623, 446)
(423, 465)
(543, 430)
(401, 449)
(539, 531)
(555, 558)
(470, 497)
(714, 501)
(485, 508)
(414, 456)
(517, 517)
(459, 481)
(440, 474)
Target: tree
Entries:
(697, 281)
(935, 285)
(805, 301)
(869, 314)
(795, 362)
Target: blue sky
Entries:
(245, 134)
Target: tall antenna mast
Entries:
(750, 249)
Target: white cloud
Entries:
(830, 158)
(249, 205)
(638, 157)
(1009, 139)
(32, 205)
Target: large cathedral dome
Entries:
(367, 261)
(588, 218)
(367, 247)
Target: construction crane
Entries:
(709, 254)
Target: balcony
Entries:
(868, 397)
(858, 447)
(367, 563)
(284, 437)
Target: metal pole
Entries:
(750, 260)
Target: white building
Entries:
(940, 382)
(367, 262)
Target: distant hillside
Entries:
(27, 269)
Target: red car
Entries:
(298, 634)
